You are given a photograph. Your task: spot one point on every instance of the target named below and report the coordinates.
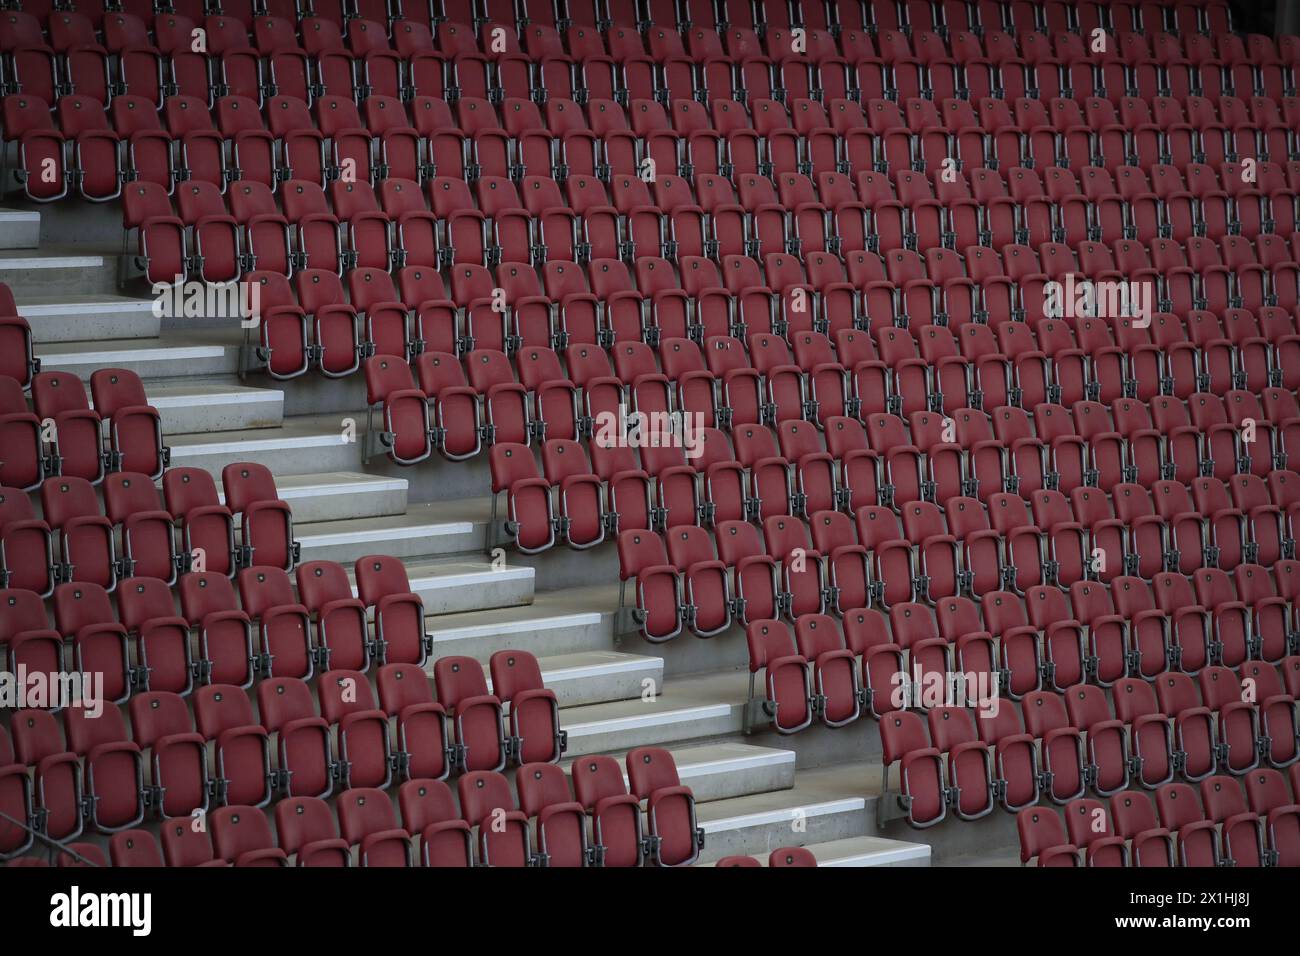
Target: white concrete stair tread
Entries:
(331, 496)
(597, 676)
(148, 358)
(825, 804)
(70, 318)
(557, 622)
(299, 446)
(195, 407)
(451, 586)
(692, 708)
(420, 531)
(19, 228)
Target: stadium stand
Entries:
(578, 433)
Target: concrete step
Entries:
(689, 709)
(453, 586)
(1009, 856)
(598, 676)
(75, 318)
(198, 407)
(297, 447)
(148, 358)
(318, 500)
(554, 624)
(20, 229)
(72, 270)
(421, 531)
(823, 805)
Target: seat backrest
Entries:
(650, 769)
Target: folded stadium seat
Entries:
(1015, 759)
(190, 121)
(317, 234)
(305, 766)
(706, 606)
(161, 725)
(530, 520)
(214, 232)
(422, 738)
(970, 762)
(1107, 767)
(847, 562)
(477, 716)
(1090, 829)
(1241, 830)
(582, 520)
(1195, 750)
(487, 804)
(265, 234)
(95, 148)
(341, 625)
(429, 810)
(132, 503)
(923, 798)
(161, 637)
(23, 539)
(737, 861)
(307, 832)
(185, 845)
(32, 61)
(61, 397)
(137, 848)
(535, 734)
(788, 699)
(26, 637)
(674, 839)
(16, 335)
(456, 405)
(207, 527)
(1043, 836)
(837, 697)
(162, 252)
(398, 612)
(561, 827)
(802, 573)
(364, 751)
(84, 615)
(406, 435)
(113, 767)
(617, 831)
(1277, 713)
(87, 855)
(224, 714)
(1239, 718)
(1269, 798)
(1152, 740)
(659, 610)
(266, 521)
(368, 821)
(284, 625)
(55, 794)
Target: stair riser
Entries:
(72, 323)
(365, 500)
(427, 543)
(72, 275)
(761, 837)
(473, 591)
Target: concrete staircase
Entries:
(818, 788)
